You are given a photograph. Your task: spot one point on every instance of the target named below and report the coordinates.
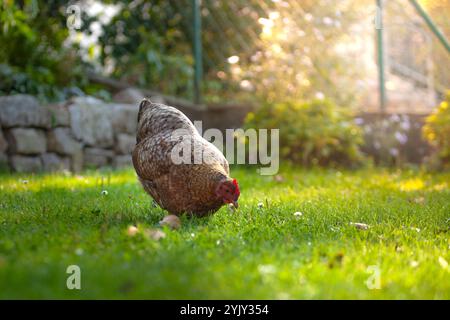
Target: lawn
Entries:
(261, 251)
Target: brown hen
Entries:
(165, 135)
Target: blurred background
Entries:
(342, 79)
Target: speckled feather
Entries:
(178, 188)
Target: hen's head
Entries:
(228, 191)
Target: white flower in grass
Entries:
(298, 214)
(104, 192)
(414, 264)
(260, 205)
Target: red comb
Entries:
(237, 192)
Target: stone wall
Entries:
(83, 132)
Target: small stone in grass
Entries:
(360, 226)
(132, 231)
(155, 234)
(172, 221)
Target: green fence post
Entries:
(197, 48)
(380, 53)
(430, 24)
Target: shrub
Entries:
(33, 57)
(437, 132)
(311, 133)
(386, 139)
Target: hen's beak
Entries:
(235, 204)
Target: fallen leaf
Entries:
(360, 226)
(419, 200)
(172, 221)
(154, 234)
(278, 178)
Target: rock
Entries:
(90, 121)
(52, 162)
(95, 157)
(27, 141)
(3, 162)
(132, 231)
(360, 226)
(129, 95)
(59, 115)
(122, 161)
(77, 162)
(172, 221)
(3, 143)
(26, 164)
(125, 143)
(23, 111)
(124, 117)
(60, 140)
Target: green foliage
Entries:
(437, 131)
(33, 58)
(311, 133)
(146, 46)
(386, 139)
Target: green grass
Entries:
(52, 221)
